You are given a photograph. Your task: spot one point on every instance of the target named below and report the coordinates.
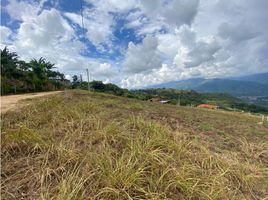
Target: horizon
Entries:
(140, 43)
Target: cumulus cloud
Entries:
(5, 32)
(202, 52)
(105, 70)
(237, 33)
(142, 42)
(21, 10)
(173, 41)
(193, 51)
(98, 25)
(154, 16)
(142, 57)
(140, 80)
(180, 12)
(49, 35)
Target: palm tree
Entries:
(9, 62)
(38, 69)
(43, 71)
(37, 74)
(9, 68)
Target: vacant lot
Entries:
(85, 145)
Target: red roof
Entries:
(207, 106)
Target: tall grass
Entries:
(80, 148)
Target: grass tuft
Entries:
(87, 146)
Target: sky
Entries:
(138, 43)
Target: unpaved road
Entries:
(10, 102)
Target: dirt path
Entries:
(11, 101)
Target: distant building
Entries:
(208, 106)
(164, 101)
(159, 100)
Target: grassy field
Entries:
(97, 146)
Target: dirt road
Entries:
(11, 101)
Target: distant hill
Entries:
(178, 97)
(257, 78)
(254, 85)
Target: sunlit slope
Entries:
(83, 145)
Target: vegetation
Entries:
(181, 97)
(109, 88)
(18, 76)
(89, 145)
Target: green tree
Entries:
(20, 76)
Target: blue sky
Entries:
(136, 43)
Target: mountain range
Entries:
(251, 85)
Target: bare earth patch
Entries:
(10, 102)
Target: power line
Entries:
(84, 38)
(82, 19)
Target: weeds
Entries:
(87, 147)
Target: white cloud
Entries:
(173, 41)
(142, 57)
(237, 33)
(180, 38)
(98, 24)
(165, 73)
(47, 35)
(202, 52)
(154, 16)
(113, 5)
(105, 70)
(21, 10)
(5, 32)
(180, 12)
(193, 51)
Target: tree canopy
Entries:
(19, 76)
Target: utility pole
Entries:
(87, 79)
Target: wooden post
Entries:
(65, 93)
(88, 87)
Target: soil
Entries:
(10, 102)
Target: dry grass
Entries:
(98, 146)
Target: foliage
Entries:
(109, 88)
(18, 76)
(176, 97)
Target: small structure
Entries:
(208, 106)
(164, 101)
(159, 100)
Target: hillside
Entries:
(233, 87)
(256, 78)
(89, 145)
(175, 96)
(193, 98)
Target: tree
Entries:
(20, 76)
(10, 70)
(75, 81)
